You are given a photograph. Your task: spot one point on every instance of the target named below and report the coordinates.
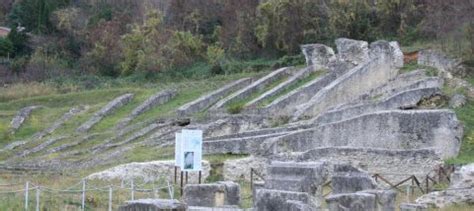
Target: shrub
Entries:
(6, 47)
(216, 58)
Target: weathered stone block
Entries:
(353, 51)
(318, 55)
(393, 129)
(21, 116)
(212, 195)
(351, 201)
(224, 208)
(297, 176)
(389, 162)
(298, 206)
(348, 179)
(104, 111)
(257, 185)
(270, 200)
(442, 62)
(153, 205)
(356, 82)
(463, 177)
(386, 199)
(390, 50)
(237, 169)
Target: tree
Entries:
(6, 47)
(19, 40)
(34, 15)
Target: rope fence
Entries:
(83, 189)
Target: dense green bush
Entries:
(6, 47)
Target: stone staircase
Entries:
(289, 183)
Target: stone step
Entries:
(348, 87)
(392, 129)
(376, 70)
(269, 199)
(394, 165)
(246, 145)
(389, 90)
(285, 104)
(104, 111)
(264, 131)
(159, 98)
(254, 87)
(403, 100)
(305, 72)
(211, 98)
(292, 168)
(287, 183)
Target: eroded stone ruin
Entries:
(360, 111)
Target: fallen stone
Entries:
(351, 201)
(147, 171)
(155, 100)
(209, 99)
(106, 110)
(353, 51)
(458, 100)
(413, 207)
(21, 116)
(212, 195)
(153, 205)
(318, 55)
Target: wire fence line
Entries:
(82, 188)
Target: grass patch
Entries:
(413, 65)
(466, 115)
(298, 84)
